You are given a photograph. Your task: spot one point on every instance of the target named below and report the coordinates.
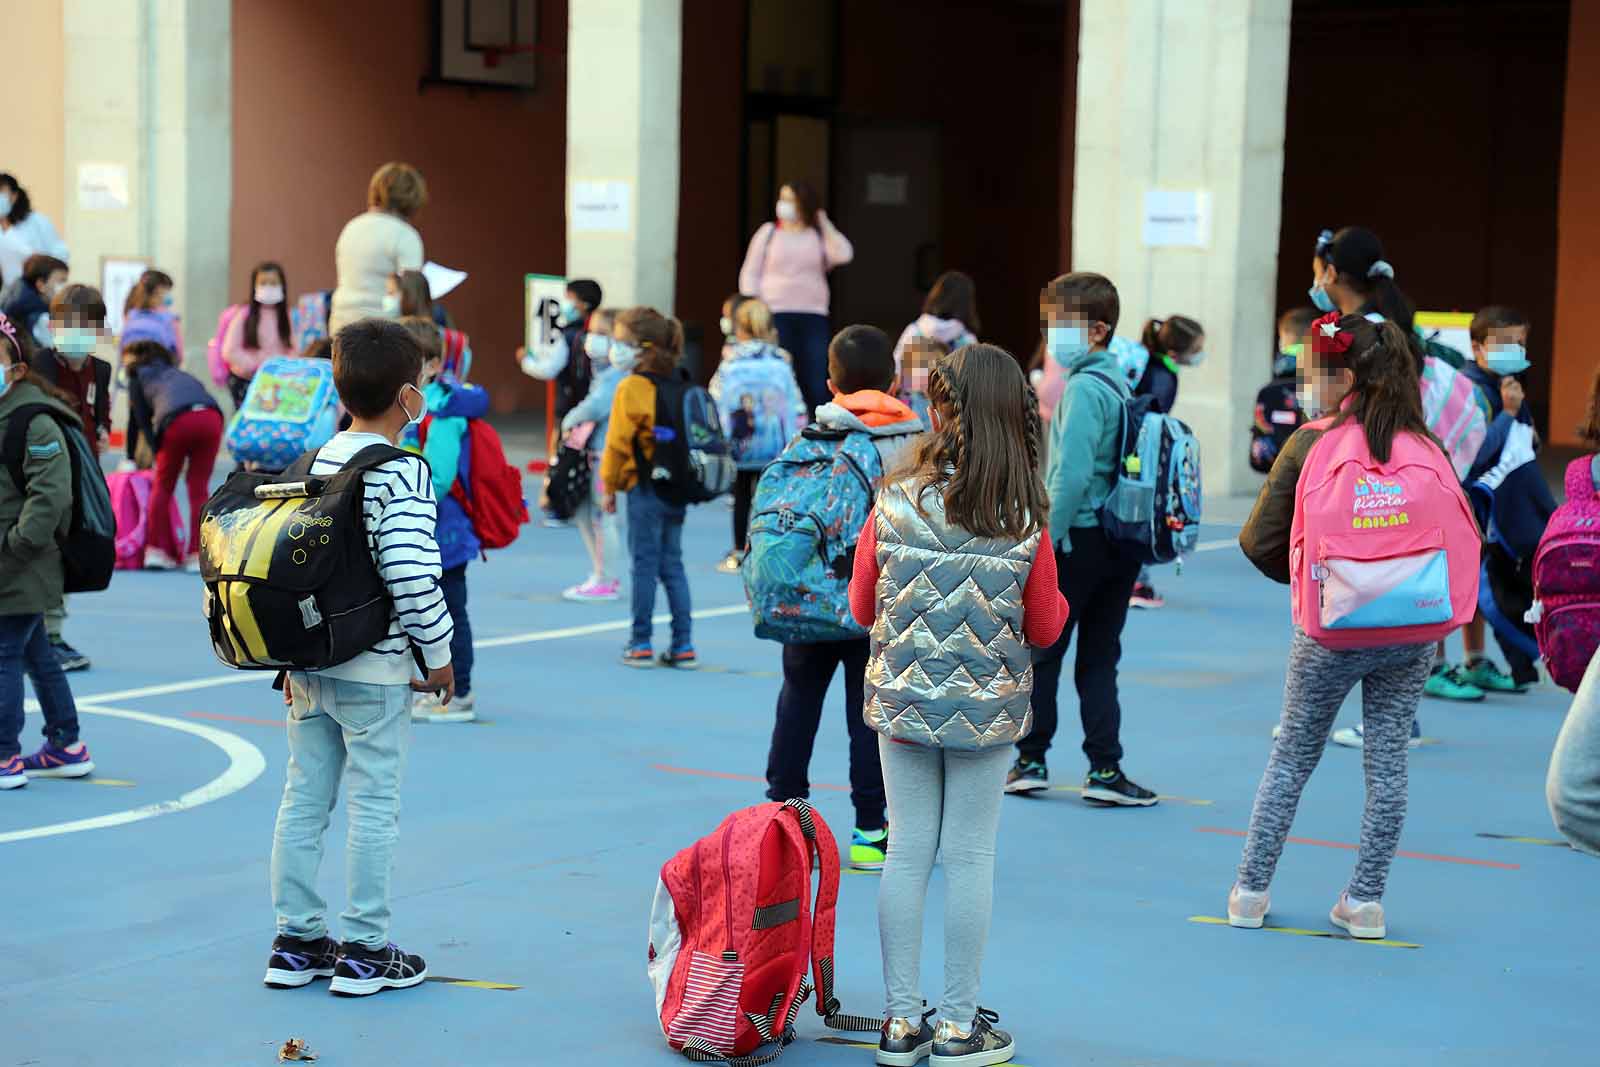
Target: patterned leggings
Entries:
(1318, 680)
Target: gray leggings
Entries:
(940, 800)
(1318, 681)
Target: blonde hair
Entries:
(754, 318)
(397, 188)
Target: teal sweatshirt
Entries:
(1085, 438)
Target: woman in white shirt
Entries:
(377, 243)
(30, 229)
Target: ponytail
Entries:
(660, 338)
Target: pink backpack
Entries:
(1380, 553)
(1452, 409)
(1566, 581)
(130, 502)
(732, 929)
(218, 365)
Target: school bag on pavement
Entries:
(732, 928)
(809, 507)
(290, 582)
(130, 503)
(214, 360)
(1566, 581)
(89, 545)
(1380, 553)
(1153, 511)
(1451, 408)
(692, 462)
(492, 496)
(290, 408)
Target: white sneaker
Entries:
(1351, 736)
(1248, 909)
(731, 563)
(157, 560)
(1363, 919)
(423, 706)
(458, 710)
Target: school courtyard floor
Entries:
(139, 919)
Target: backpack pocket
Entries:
(1381, 583)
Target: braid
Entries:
(1035, 424)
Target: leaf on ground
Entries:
(295, 1050)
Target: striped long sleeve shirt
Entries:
(399, 512)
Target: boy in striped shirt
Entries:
(354, 720)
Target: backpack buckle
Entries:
(309, 613)
(1319, 573)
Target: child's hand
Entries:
(608, 503)
(522, 350)
(1511, 395)
(440, 680)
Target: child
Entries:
(601, 530)
(918, 357)
(567, 363)
(451, 406)
(860, 373)
(1277, 414)
(769, 409)
(408, 295)
(28, 305)
(176, 414)
(1175, 342)
(949, 315)
(653, 343)
(352, 720)
(973, 484)
(77, 330)
(260, 334)
(31, 578)
(148, 312)
(1078, 313)
(1372, 367)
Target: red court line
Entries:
(1341, 844)
(232, 718)
(737, 777)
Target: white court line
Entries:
(1217, 546)
(245, 764)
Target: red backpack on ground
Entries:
(732, 929)
(1566, 581)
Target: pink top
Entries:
(244, 361)
(788, 269)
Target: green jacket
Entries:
(30, 562)
(1085, 437)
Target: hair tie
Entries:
(1327, 339)
(1381, 269)
(1324, 239)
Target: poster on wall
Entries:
(1449, 328)
(601, 207)
(102, 187)
(1177, 218)
(543, 310)
(118, 276)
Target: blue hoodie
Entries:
(1085, 438)
(451, 405)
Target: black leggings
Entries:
(744, 493)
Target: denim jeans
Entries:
(804, 335)
(359, 731)
(453, 584)
(655, 537)
(25, 647)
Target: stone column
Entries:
(1188, 96)
(623, 70)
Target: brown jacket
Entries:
(1265, 537)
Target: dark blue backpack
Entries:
(1153, 511)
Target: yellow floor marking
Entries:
(1171, 799)
(110, 781)
(1526, 840)
(470, 983)
(1212, 920)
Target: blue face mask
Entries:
(569, 312)
(1321, 300)
(596, 346)
(1507, 359)
(623, 355)
(1067, 344)
(79, 341)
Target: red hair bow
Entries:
(1326, 337)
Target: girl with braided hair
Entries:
(955, 577)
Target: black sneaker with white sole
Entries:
(1110, 786)
(295, 963)
(982, 1046)
(362, 971)
(1027, 776)
(905, 1042)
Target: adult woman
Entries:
(31, 229)
(787, 266)
(377, 243)
(260, 334)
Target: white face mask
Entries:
(5, 204)
(787, 212)
(391, 304)
(269, 294)
(422, 406)
(623, 355)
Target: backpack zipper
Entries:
(727, 892)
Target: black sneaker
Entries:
(71, 659)
(362, 971)
(295, 963)
(983, 1046)
(1027, 776)
(1111, 787)
(905, 1042)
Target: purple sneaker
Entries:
(12, 774)
(51, 762)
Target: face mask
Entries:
(75, 341)
(787, 212)
(597, 346)
(1321, 300)
(5, 204)
(270, 294)
(1067, 343)
(725, 324)
(412, 420)
(623, 355)
(1284, 365)
(391, 304)
(569, 312)
(1507, 359)
(1196, 359)
(1316, 399)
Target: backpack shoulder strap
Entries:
(1579, 479)
(15, 446)
(1124, 439)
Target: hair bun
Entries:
(1381, 269)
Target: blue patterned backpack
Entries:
(290, 408)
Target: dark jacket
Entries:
(24, 306)
(572, 383)
(1160, 384)
(1265, 537)
(157, 394)
(94, 402)
(30, 560)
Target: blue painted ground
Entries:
(530, 846)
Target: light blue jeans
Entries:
(360, 732)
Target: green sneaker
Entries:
(868, 849)
(1484, 673)
(1450, 683)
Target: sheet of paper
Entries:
(441, 280)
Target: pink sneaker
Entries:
(593, 591)
(1363, 919)
(1248, 909)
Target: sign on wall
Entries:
(102, 187)
(1177, 218)
(601, 207)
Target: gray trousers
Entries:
(1573, 786)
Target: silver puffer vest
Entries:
(950, 666)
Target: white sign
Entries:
(1177, 218)
(441, 280)
(601, 207)
(887, 190)
(118, 276)
(543, 310)
(102, 187)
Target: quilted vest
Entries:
(950, 666)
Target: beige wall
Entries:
(35, 72)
